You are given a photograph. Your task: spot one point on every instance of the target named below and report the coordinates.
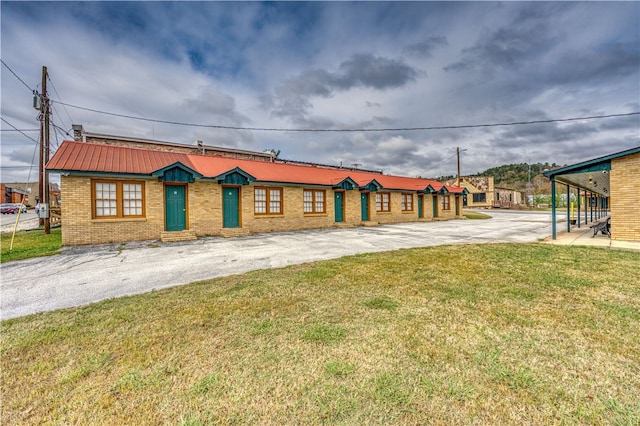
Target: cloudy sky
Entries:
(331, 65)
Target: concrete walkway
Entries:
(583, 236)
(82, 275)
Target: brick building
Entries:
(481, 191)
(14, 193)
(606, 187)
(115, 192)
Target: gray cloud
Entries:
(597, 63)
(507, 48)
(426, 47)
(292, 98)
(209, 63)
(215, 104)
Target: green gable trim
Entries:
(236, 176)
(444, 190)
(429, 190)
(604, 166)
(346, 184)
(177, 172)
(371, 186)
(594, 165)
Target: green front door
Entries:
(364, 200)
(420, 201)
(230, 208)
(435, 206)
(339, 206)
(456, 199)
(175, 208)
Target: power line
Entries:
(60, 97)
(442, 162)
(397, 129)
(16, 75)
(66, 132)
(20, 131)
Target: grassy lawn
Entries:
(30, 244)
(474, 215)
(478, 334)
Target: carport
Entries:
(591, 182)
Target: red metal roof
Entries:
(86, 157)
(74, 156)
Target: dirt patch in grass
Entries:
(491, 334)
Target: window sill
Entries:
(383, 212)
(315, 215)
(408, 212)
(119, 220)
(268, 216)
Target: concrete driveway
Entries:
(28, 220)
(82, 275)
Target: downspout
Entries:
(553, 207)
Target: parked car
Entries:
(8, 208)
(21, 207)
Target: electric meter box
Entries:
(44, 211)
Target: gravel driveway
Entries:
(82, 275)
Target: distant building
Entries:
(14, 193)
(482, 193)
(507, 198)
(198, 147)
(481, 190)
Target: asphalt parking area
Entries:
(82, 275)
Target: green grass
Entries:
(479, 334)
(475, 215)
(27, 244)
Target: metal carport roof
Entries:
(591, 175)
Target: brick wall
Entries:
(78, 226)
(625, 221)
(205, 212)
(475, 185)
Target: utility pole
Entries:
(458, 155)
(43, 190)
(40, 198)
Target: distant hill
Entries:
(516, 176)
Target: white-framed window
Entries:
(446, 202)
(383, 202)
(314, 201)
(117, 199)
(406, 203)
(267, 200)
